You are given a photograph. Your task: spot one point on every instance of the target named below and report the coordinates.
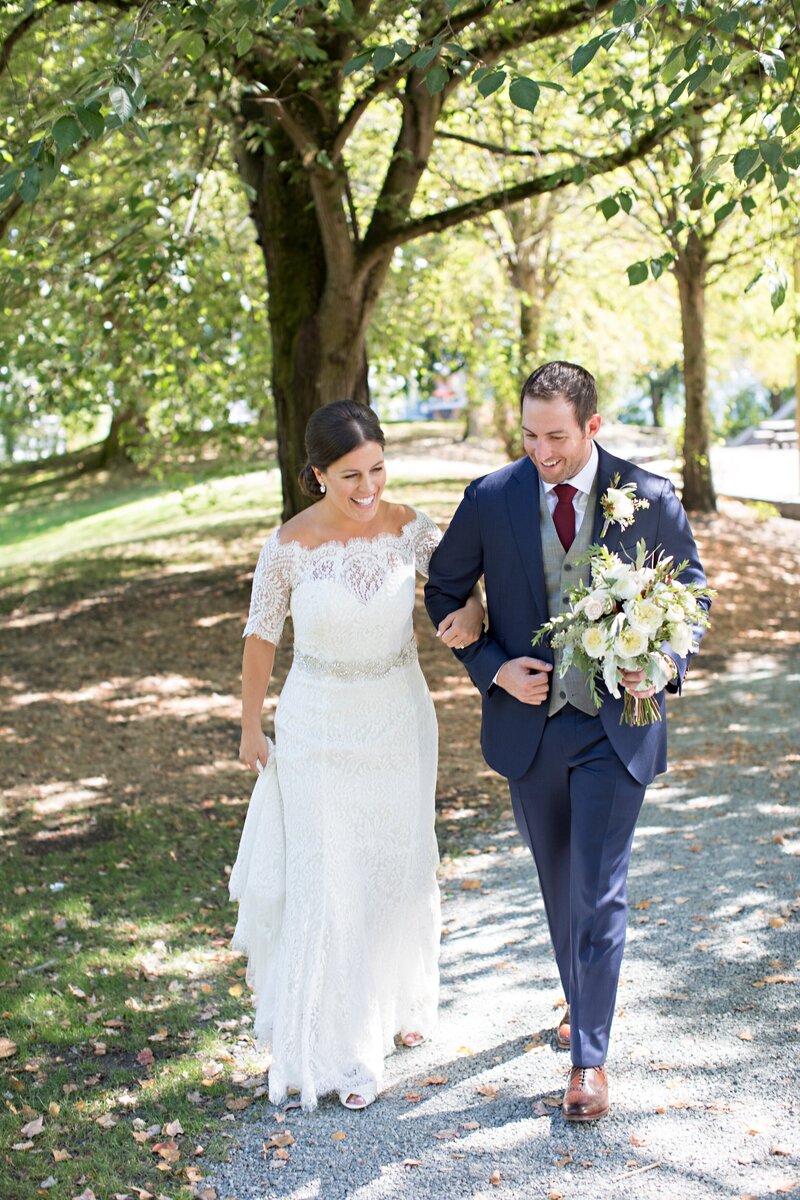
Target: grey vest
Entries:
(560, 574)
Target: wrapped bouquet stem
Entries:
(625, 619)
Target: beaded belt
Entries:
(374, 668)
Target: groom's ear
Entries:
(593, 425)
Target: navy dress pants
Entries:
(576, 809)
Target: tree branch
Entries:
(437, 222)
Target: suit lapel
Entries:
(522, 498)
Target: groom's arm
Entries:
(455, 568)
(674, 536)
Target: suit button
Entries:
(562, 695)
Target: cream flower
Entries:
(594, 641)
(630, 642)
(680, 639)
(620, 505)
(645, 616)
(624, 587)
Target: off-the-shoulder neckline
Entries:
(353, 541)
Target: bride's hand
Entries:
(463, 627)
(253, 749)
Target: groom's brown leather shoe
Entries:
(562, 1033)
(586, 1097)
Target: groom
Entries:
(577, 776)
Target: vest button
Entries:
(567, 566)
(562, 695)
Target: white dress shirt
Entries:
(582, 481)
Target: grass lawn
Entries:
(125, 1043)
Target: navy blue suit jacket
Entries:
(495, 534)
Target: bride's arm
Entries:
(257, 662)
(465, 625)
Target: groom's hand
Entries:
(526, 679)
(632, 682)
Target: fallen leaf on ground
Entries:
(87, 1194)
(22, 1146)
(638, 1141)
(745, 1035)
(487, 1089)
(446, 1135)
(433, 1081)
(167, 1150)
(470, 1125)
(33, 1128)
(779, 1150)
(106, 1121)
(7, 1047)
(145, 1057)
(339, 1136)
(61, 1156)
(494, 1178)
(413, 1097)
(278, 1140)
(411, 1162)
(471, 885)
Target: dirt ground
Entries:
(130, 696)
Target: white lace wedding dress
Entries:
(339, 909)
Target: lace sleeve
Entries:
(272, 589)
(426, 537)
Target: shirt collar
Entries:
(585, 478)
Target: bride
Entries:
(335, 877)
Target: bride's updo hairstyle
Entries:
(332, 432)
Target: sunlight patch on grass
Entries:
(254, 496)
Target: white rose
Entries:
(688, 602)
(630, 642)
(680, 639)
(645, 616)
(624, 587)
(595, 604)
(594, 641)
(675, 613)
(620, 504)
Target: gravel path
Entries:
(704, 1054)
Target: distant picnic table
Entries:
(779, 433)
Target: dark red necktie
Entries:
(564, 514)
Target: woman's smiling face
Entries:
(355, 482)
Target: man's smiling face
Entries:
(553, 439)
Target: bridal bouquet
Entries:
(621, 620)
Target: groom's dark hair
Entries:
(567, 380)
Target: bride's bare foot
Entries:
(412, 1039)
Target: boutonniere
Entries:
(620, 505)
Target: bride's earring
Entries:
(322, 488)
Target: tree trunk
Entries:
(318, 313)
(128, 427)
(691, 269)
